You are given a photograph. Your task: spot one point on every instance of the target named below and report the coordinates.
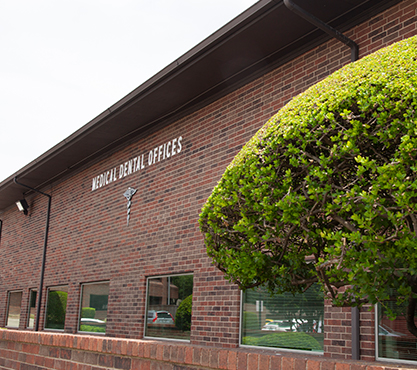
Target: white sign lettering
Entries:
(138, 163)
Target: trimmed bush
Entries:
(56, 310)
(88, 312)
(327, 190)
(183, 315)
(93, 329)
(288, 340)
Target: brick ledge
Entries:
(140, 354)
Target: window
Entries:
(56, 307)
(394, 341)
(32, 309)
(293, 322)
(169, 304)
(13, 309)
(93, 314)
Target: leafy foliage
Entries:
(93, 329)
(183, 315)
(184, 284)
(326, 190)
(88, 312)
(56, 309)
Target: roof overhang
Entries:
(260, 39)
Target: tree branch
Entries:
(343, 222)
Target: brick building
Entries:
(120, 253)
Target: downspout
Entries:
(354, 55)
(355, 316)
(39, 298)
(354, 49)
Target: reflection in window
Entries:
(13, 309)
(56, 307)
(287, 321)
(94, 301)
(394, 339)
(169, 304)
(32, 309)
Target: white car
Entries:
(279, 325)
(93, 322)
(389, 332)
(160, 317)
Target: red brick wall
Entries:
(89, 240)
(38, 351)
(338, 334)
(367, 334)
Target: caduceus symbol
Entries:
(129, 193)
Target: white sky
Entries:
(63, 62)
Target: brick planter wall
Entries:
(38, 351)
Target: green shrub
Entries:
(93, 329)
(326, 190)
(288, 340)
(184, 284)
(88, 312)
(56, 310)
(183, 315)
(250, 341)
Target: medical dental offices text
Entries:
(138, 163)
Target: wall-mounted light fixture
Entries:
(23, 206)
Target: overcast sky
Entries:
(63, 62)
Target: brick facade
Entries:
(89, 240)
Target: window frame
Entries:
(82, 285)
(8, 308)
(376, 332)
(300, 351)
(55, 287)
(29, 307)
(145, 321)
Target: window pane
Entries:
(56, 308)
(283, 321)
(394, 339)
(94, 300)
(13, 312)
(169, 305)
(32, 311)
